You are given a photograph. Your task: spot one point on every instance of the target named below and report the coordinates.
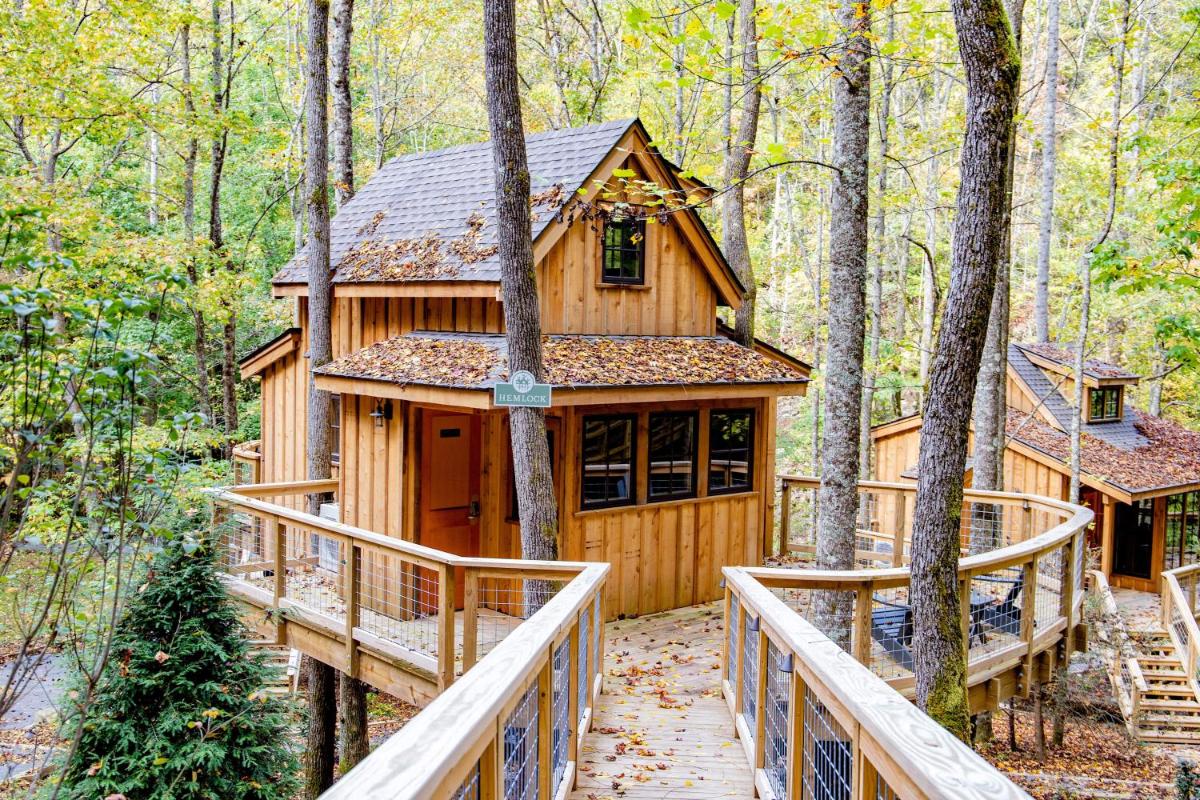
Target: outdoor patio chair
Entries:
(892, 627)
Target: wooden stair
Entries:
(1168, 712)
(278, 660)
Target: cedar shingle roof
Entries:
(431, 216)
(1169, 457)
(479, 361)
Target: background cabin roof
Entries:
(1123, 434)
(1064, 356)
(1170, 456)
(431, 216)
(479, 361)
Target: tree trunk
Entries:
(343, 126)
(838, 495)
(320, 750)
(737, 166)
(216, 231)
(992, 67)
(352, 715)
(200, 342)
(1041, 303)
(1039, 723)
(536, 504)
(875, 295)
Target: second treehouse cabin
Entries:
(662, 429)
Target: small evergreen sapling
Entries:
(180, 711)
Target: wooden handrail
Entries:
(1174, 599)
(881, 736)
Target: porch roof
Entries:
(475, 362)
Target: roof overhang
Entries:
(561, 396)
(768, 350)
(1089, 378)
(267, 354)
(472, 289)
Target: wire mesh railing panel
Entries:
(749, 659)
(997, 603)
(735, 616)
(984, 527)
(504, 604)
(583, 676)
(827, 768)
(1081, 557)
(597, 632)
(469, 789)
(883, 791)
(775, 719)
(521, 749)
(314, 566)
(891, 632)
(398, 601)
(560, 701)
(1051, 578)
(242, 551)
(802, 517)
(1179, 627)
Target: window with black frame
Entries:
(730, 451)
(335, 429)
(672, 453)
(624, 257)
(607, 455)
(1105, 404)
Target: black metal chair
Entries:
(1003, 616)
(892, 627)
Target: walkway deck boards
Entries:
(662, 731)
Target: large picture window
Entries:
(624, 251)
(608, 455)
(672, 451)
(1105, 404)
(730, 451)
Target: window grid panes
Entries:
(1105, 403)
(672, 452)
(1183, 530)
(624, 251)
(608, 454)
(730, 451)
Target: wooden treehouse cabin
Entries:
(1140, 472)
(662, 429)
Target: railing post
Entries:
(545, 723)
(277, 533)
(785, 516)
(446, 644)
(1028, 612)
(1067, 593)
(470, 632)
(899, 518)
(795, 745)
(760, 702)
(1028, 521)
(491, 770)
(353, 568)
(861, 641)
(573, 656)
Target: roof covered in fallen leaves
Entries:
(1170, 457)
(479, 361)
(1064, 356)
(431, 216)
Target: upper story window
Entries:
(730, 451)
(608, 454)
(624, 256)
(335, 429)
(1104, 404)
(672, 452)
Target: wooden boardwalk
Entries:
(662, 730)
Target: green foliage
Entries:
(180, 710)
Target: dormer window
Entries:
(1104, 404)
(624, 257)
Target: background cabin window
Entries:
(335, 429)
(624, 251)
(672, 450)
(513, 508)
(1105, 403)
(730, 451)
(1183, 530)
(608, 452)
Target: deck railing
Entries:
(817, 723)
(1022, 590)
(247, 463)
(1179, 597)
(372, 599)
(1124, 669)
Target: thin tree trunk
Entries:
(216, 231)
(838, 495)
(343, 120)
(1039, 723)
(200, 342)
(992, 67)
(153, 163)
(352, 716)
(1041, 303)
(737, 166)
(536, 504)
(321, 747)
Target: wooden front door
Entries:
(449, 481)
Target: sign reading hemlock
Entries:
(522, 390)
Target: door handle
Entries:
(473, 509)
